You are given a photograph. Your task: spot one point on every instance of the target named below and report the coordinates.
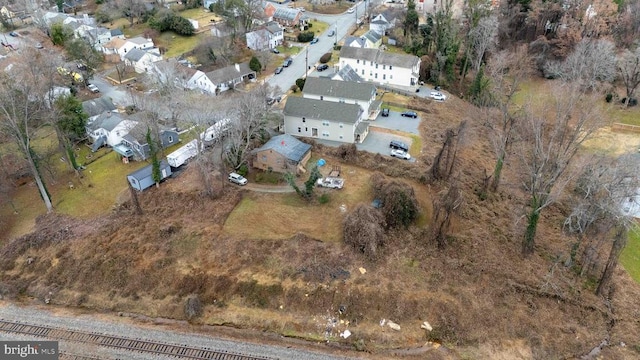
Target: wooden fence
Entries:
(626, 128)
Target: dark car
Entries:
(315, 40)
(411, 114)
(398, 145)
(14, 34)
(279, 70)
(287, 62)
(322, 67)
(385, 112)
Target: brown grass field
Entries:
(275, 263)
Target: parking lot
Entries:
(378, 139)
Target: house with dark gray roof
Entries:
(142, 61)
(95, 107)
(109, 128)
(282, 154)
(229, 77)
(336, 91)
(328, 120)
(382, 67)
(136, 140)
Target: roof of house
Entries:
(98, 106)
(287, 146)
(135, 54)
(116, 32)
(286, 13)
(379, 56)
(273, 27)
(107, 120)
(139, 40)
(229, 73)
(350, 40)
(138, 133)
(147, 171)
(339, 89)
(322, 110)
(348, 74)
(115, 43)
(372, 36)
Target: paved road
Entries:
(310, 54)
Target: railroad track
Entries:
(136, 345)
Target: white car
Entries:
(438, 96)
(350, 11)
(238, 179)
(400, 154)
(93, 88)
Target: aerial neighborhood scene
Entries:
(319, 179)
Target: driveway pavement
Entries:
(397, 122)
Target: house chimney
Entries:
(238, 67)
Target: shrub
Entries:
(324, 198)
(243, 170)
(337, 47)
(255, 65)
(348, 152)
(363, 229)
(399, 204)
(309, 25)
(294, 88)
(305, 36)
(609, 97)
(192, 307)
(300, 83)
(325, 58)
(632, 101)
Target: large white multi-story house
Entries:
(331, 110)
(268, 36)
(382, 67)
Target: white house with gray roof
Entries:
(382, 67)
(110, 127)
(142, 61)
(327, 120)
(229, 77)
(268, 36)
(361, 94)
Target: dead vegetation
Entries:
(481, 297)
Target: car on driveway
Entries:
(322, 67)
(350, 11)
(93, 88)
(237, 179)
(279, 70)
(398, 145)
(401, 154)
(14, 34)
(315, 40)
(411, 114)
(39, 46)
(275, 51)
(385, 112)
(331, 33)
(287, 62)
(438, 96)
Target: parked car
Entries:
(39, 46)
(322, 67)
(279, 70)
(287, 62)
(438, 96)
(331, 33)
(93, 88)
(275, 51)
(398, 145)
(411, 114)
(81, 66)
(350, 11)
(315, 40)
(14, 34)
(400, 154)
(385, 112)
(237, 179)
(330, 182)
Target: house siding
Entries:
(382, 73)
(324, 129)
(145, 182)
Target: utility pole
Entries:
(306, 62)
(336, 42)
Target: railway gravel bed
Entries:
(110, 333)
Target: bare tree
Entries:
(551, 136)
(444, 207)
(507, 71)
(445, 159)
(606, 198)
(590, 63)
(249, 118)
(629, 67)
(23, 107)
(363, 229)
(131, 9)
(483, 38)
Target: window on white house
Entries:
(376, 75)
(384, 67)
(341, 125)
(326, 123)
(357, 61)
(390, 67)
(304, 120)
(299, 129)
(376, 66)
(384, 76)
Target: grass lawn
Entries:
(177, 44)
(630, 257)
(292, 50)
(318, 27)
(630, 116)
